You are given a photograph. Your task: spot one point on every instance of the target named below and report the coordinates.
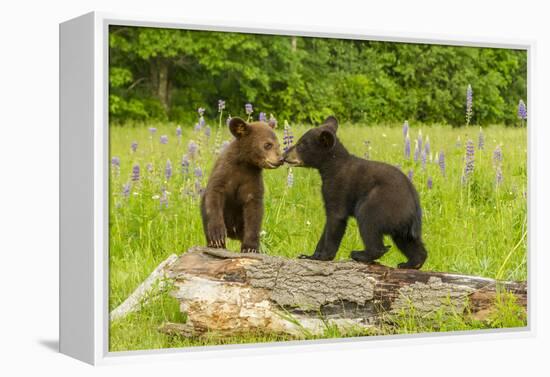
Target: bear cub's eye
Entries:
(268, 146)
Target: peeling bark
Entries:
(230, 294)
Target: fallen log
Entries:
(230, 294)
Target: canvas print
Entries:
(268, 188)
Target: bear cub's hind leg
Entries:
(373, 239)
(414, 250)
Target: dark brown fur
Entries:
(232, 204)
(378, 195)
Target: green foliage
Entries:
(168, 73)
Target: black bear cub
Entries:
(378, 195)
(232, 204)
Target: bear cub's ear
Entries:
(327, 139)
(238, 127)
(332, 123)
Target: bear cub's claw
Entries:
(249, 250)
(217, 244)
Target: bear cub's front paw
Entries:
(216, 236)
(247, 249)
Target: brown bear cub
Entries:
(378, 195)
(232, 204)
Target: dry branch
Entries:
(142, 292)
(230, 294)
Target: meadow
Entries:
(472, 184)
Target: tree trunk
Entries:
(163, 88)
(160, 80)
(232, 294)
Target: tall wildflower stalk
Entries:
(405, 129)
(115, 165)
(522, 112)
(441, 161)
(469, 104)
(288, 138)
(248, 110)
(217, 139)
(168, 170)
(468, 161)
(290, 178)
(481, 139)
(497, 164)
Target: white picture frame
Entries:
(84, 172)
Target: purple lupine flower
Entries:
(126, 189)
(184, 164)
(221, 105)
(290, 178)
(442, 163)
(416, 151)
(427, 148)
(262, 117)
(407, 146)
(198, 172)
(469, 103)
(202, 122)
(163, 200)
(224, 145)
(201, 111)
(164, 139)
(410, 175)
(497, 156)
(272, 121)
(288, 138)
(248, 109)
(468, 161)
(420, 140)
(499, 178)
(134, 146)
(198, 127)
(152, 130)
(168, 170)
(149, 167)
(135, 173)
(406, 128)
(207, 132)
(430, 183)
(178, 131)
(481, 139)
(522, 110)
(115, 162)
(192, 148)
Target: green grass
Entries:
(477, 228)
